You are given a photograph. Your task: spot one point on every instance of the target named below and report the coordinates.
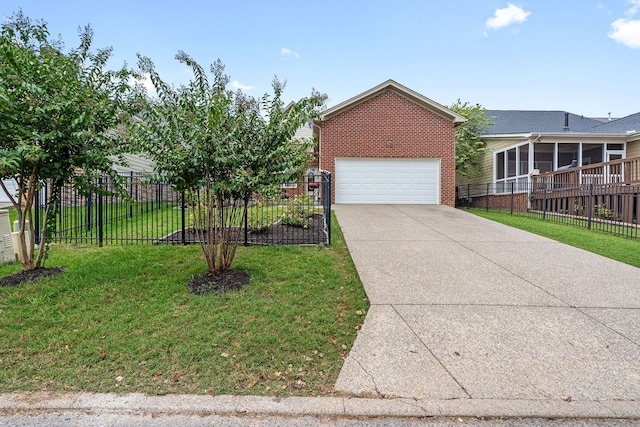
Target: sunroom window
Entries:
(512, 168)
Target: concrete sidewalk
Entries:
(473, 313)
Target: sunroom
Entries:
(539, 154)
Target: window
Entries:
(543, 155)
(591, 153)
(567, 153)
(512, 167)
(500, 165)
(524, 159)
(511, 163)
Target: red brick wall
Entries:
(500, 201)
(415, 132)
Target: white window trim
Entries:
(518, 177)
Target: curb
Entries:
(226, 405)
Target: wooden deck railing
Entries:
(602, 191)
(624, 171)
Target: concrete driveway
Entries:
(463, 308)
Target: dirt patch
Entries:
(28, 276)
(225, 281)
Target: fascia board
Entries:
(403, 91)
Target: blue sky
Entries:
(581, 56)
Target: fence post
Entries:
(131, 192)
(590, 206)
(184, 231)
(326, 202)
(544, 201)
(89, 214)
(36, 217)
(246, 220)
(100, 230)
(468, 195)
(457, 197)
(512, 198)
(487, 198)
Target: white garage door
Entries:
(388, 181)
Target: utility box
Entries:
(6, 242)
(17, 249)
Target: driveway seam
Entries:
(574, 307)
(607, 326)
(517, 275)
(461, 243)
(430, 352)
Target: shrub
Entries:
(298, 211)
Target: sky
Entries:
(581, 56)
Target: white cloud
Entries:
(635, 7)
(506, 16)
(239, 85)
(286, 51)
(626, 31)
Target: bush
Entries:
(298, 211)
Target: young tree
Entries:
(220, 147)
(59, 114)
(469, 146)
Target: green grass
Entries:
(120, 319)
(619, 248)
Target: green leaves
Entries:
(469, 146)
(225, 145)
(59, 111)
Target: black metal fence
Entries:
(609, 208)
(154, 212)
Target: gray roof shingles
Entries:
(628, 124)
(519, 121)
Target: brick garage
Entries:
(390, 145)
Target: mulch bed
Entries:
(275, 234)
(225, 281)
(28, 276)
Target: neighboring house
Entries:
(134, 163)
(13, 189)
(524, 142)
(312, 172)
(389, 145)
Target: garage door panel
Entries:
(401, 181)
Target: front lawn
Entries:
(120, 319)
(619, 248)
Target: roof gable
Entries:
(403, 91)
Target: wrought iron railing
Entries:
(153, 212)
(611, 208)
